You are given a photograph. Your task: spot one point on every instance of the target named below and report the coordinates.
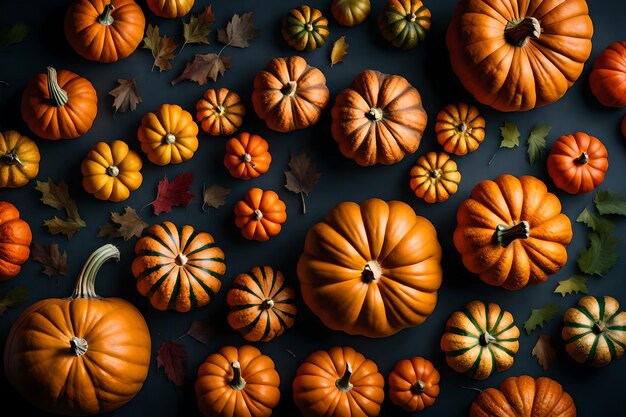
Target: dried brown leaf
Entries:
(214, 196)
(126, 225)
(301, 177)
(239, 31)
(160, 46)
(54, 262)
(198, 28)
(203, 67)
(172, 356)
(126, 95)
(544, 352)
(340, 49)
(58, 196)
(202, 331)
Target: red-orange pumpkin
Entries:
(247, 156)
(15, 240)
(414, 384)
(260, 214)
(607, 78)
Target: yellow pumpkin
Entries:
(19, 159)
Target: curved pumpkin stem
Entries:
(519, 31)
(267, 304)
(58, 96)
(257, 215)
(411, 17)
(11, 158)
(106, 18)
(343, 383)
(418, 387)
(507, 234)
(87, 278)
(289, 89)
(485, 338)
(237, 383)
(78, 346)
(582, 159)
(372, 271)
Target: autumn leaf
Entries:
(608, 202)
(175, 193)
(509, 135)
(127, 225)
(544, 352)
(202, 331)
(198, 28)
(126, 95)
(340, 49)
(160, 46)
(537, 142)
(541, 315)
(172, 357)
(54, 262)
(600, 255)
(576, 284)
(301, 176)
(12, 34)
(596, 222)
(239, 31)
(214, 196)
(13, 298)
(203, 67)
(58, 196)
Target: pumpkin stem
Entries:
(411, 17)
(267, 304)
(343, 383)
(308, 27)
(599, 327)
(461, 127)
(485, 338)
(106, 19)
(78, 346)
(418, 387)
(258, 214)
(372, 271)
(169, 138)
(57, 94)
(181, 259)
(507, 234)
(435, 173)
(375, 114)
(86, 279)
(247, 158)
(582, 159)
(519, 31)
(237, 383)
(113, 171)
(289, 89)
(220, 110)
(11, 158)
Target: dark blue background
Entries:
(596, 392)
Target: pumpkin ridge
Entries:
(472, 319)
(247, 290)
(578, 336)
(154, 287)
(592, 352)
(461, 332)
(200, 249)
(502, 348)
(459, 352)
(175, 291)
(497, 323)
(201, 283)
(472, 371)
(586, 312)
(577, 325)
(190, 239)
(252, 276)
(610, 346)
(165, 227)
(208, 271)
(192, 295)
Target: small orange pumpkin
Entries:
(460, 128)
(170, 9)
(247, 156)
(15, 240)
(414, 384)
(19, 159)
(435, 177)
(220, 112)
(260, 214)
(59, 105)
(607, 78)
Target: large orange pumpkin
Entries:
(371, 269)
(607, 78)
(378, 120)
(515, 55)
(511, 232)
(59, 105)
(15, 240)
(81, 355)
(104, 30)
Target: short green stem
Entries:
(106, 18)
(507, 234)
(418, 387)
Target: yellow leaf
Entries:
(340, 49)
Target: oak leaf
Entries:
(126, 95)
(160, 46)
(203, 67)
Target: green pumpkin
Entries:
(404, 23)
(305, 28)
(350, 12)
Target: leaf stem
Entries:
(303, 203)
(493, 156)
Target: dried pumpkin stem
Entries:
(418, 387)
(289, 89)
(258, 214)
(267, 304)
(247, 158)
(507, 234)
(343, 383)
(599, 327)
(220, 110)
(86, 279)
(237, 383)
(113, 171)
(106, 18)
(519, 31)
(435, 173)
(170, 138)
(411, 17)
(11, 158)
(308, 27)
(375, 113)
(372, 271)
(58, 96)
(78, 346)
(582, 159)
(181, 259)
(461, 127)
(485, 339)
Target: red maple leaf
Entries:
(175, 193)
(173, 358)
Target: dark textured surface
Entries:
(596, 392)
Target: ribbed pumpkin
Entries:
(289, 94)
(59, 105)
(594, 330)
(350, 12)
(19, 159)
(338, 382)
(178, 269)
(15, 240)
(516, 55)
(511, 232)
(80, 355)
(305, 28)
(577, 163)
(262, 304)
(607, 78)
(247, 156)
(524, 396)
(237, 382)
(414, 384)
(170, 8)
(371, 269)
(220, 112)
(111, 171)
(378, 120)
(260, 214)
(434, 177)
(104, 30)
(404, 23)
(169, 135)
(460, 128)
(480, 339)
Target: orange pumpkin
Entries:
(460, 128)
(371, 269)
(260, 214)
(104, 30)
(379, 119)
(537, 397)
(237, 382)
(15, 240)
(516, 55)
(511, 232)
(414, 384)
(339, 382)
(607, 78)
(59, 105)
(81, 355)
(434, 177)
(170, 8)
(19, 159)
(220, 112)
(247, 156)
(577, 163)
(289, 94)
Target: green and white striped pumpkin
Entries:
(594, 331)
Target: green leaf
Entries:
(596, 222)
(541, 315)
(608, 202)
(576, 284)
(510, 135)
(12, 34)
(600, 256)
(13, 298)
(537, 142)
